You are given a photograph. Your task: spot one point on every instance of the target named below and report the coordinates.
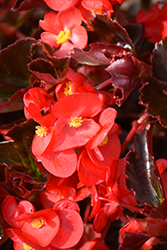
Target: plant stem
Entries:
(103, 84)
(105, 231)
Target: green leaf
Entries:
(142, 172)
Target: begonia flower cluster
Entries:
(83, 89)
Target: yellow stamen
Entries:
(41, 131)
(104, 142)
(26, 247)
(37, 223)
(63, 36)
(75, 122)
(68, 88)
(98, 11)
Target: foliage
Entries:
(83, 103)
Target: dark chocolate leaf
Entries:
(142, 174)
(46, 67)
(18, 149)
(133, 241)
(97, 55)
(22, 183)
(28, 4)
(159, 60)
(14, 74)
(43, 70)
(154, 97)
(3, 172)
(126, 73)
(136, 33)
(111, 32)
(15, 102)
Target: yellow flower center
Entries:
(98, 11)
(26, 247)
(104, 142)
(75, 122)
(63, 36)
(68, 88)
(41, 131)
(37, 223)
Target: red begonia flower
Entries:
(88, 172)
(70, 231)
(85, 175)
(64, 31)
(41, 227)
(58, 189)
(61, 5)
(98, 6)
(60, 164)
(12, 208)
(156, 15)
(104, 147)
(21, 242)
(75, 125)
(74, 82)
(38, 106)
(57, 228)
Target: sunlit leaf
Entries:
(97, 55)
(142, 172)
(159, 60)
(111, 32)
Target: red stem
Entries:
(105, 231)
(133, 131)
(103, 84)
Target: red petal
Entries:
(51, 23)
(60, 5)
(88, 105)
(64, 204)
(70, 18)
(70, 137)
(44, 235)
(71, 229)
(40, 144)
(50, 39)
(62, 164)
(79, 37)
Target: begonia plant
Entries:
(83, 119)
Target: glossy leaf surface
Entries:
(133, 241)
(159, 60)
(111, 32)
(141, 170)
